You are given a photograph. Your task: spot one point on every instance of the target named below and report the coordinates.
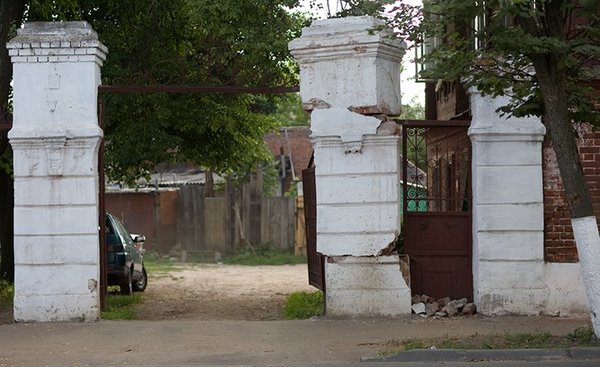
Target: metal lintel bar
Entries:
(435, 123)
(223, 89)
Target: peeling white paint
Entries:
(509, 272)
(585, 231)
(566, 294)
(350, 64)
(55, 139)
(508, 211)
(368, 286)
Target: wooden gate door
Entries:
(437, 207)
(315, 260)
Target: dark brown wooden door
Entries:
(315, 260)
(437, 208)
(439, 249)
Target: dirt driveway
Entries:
(217, 292)
(222, 292)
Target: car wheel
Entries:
(140, 285)
(127, 284)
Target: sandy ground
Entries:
(222, 292)
(217, 292)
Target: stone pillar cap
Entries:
(342, 25)
(487, 121)
(55, 42)
(38, 32)
(347, 37)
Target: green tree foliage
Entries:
(491, 45)
(194, 42)
(202, 42)
(345, 8)
(287, 109)
(412, 111)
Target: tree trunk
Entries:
(553, 84)
(7, 265)
(11, 13)
(209, 186)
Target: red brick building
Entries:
(292, 146)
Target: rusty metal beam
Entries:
(224, 89)
(435, 123)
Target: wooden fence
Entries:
(209, 225)
(186, 224)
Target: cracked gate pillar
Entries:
(55, 139)
(350, 79)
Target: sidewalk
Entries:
(235, 343)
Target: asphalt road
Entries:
(594, 363)
(249, 343)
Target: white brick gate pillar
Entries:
(351, 64)
(55, 138)
(508, 210)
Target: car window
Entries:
(111, 236)
(123, 232)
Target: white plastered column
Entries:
(55, 139)
(344, 67)
(508, 210)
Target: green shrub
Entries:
(264, 254)
(7, 291)
(583, 337)
(304, 305)
(121, 307)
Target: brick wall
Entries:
(450, 101)
(448, 161)
(559, 245)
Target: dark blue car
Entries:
(125, 262)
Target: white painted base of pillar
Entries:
(366, 287)
(56, 238)
(587, 238)
(553, 289)
(566, 294)
(501, 302)
(52, 308)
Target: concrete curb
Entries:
(470, 355)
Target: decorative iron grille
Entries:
(436, 169)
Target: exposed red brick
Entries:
(588, 149)
(298, 141)
(559, 245)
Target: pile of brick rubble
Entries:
(444, 307)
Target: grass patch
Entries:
(7, 292)
(155, 264)
(121, 307)
(581, 337)
(264, 255)
(303, 305)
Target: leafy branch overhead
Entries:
(491, 45)
(195, 42)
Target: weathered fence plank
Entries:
(209, 224)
